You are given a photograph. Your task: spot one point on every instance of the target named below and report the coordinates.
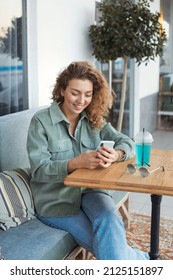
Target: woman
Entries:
(65, 137)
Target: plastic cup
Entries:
(143, 143)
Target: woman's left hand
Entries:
(108, 156)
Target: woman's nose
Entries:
(81, 99)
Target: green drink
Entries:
(143, 154)
(143, 141)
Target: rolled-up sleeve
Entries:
(122, 141)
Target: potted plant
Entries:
(127, 30)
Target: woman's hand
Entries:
(104, 157)
(88, 159)
(109, 155)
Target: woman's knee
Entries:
(97, 204)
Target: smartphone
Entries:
(107, 143)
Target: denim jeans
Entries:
(98, 228)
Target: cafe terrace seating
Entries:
(22, 235)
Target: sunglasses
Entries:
(143, 171)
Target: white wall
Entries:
(146, 79)
(148, 76)
(62, 37)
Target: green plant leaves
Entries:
(127, 29)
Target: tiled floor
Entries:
(141, 203)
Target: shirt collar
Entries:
(57, 115)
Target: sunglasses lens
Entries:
(131, 168)
(143, 172)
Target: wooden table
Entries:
(117, 177)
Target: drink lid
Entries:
(143, 137)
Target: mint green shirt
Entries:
(50, 146)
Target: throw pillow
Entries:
(1, 255)
(16, 202)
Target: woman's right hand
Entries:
(88, 159)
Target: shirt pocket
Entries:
(61, 149)
(89, 144)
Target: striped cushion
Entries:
(1, 255)
(16, 203)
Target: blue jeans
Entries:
(98, 228)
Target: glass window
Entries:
(166, 61)
(13, 88)
(116, 85)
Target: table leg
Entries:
(155, 226)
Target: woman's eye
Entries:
(88, 94)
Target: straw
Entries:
(143, 147)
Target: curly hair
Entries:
(102, 99)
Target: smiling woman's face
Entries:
(77, 96)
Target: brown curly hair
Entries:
(102, 98)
